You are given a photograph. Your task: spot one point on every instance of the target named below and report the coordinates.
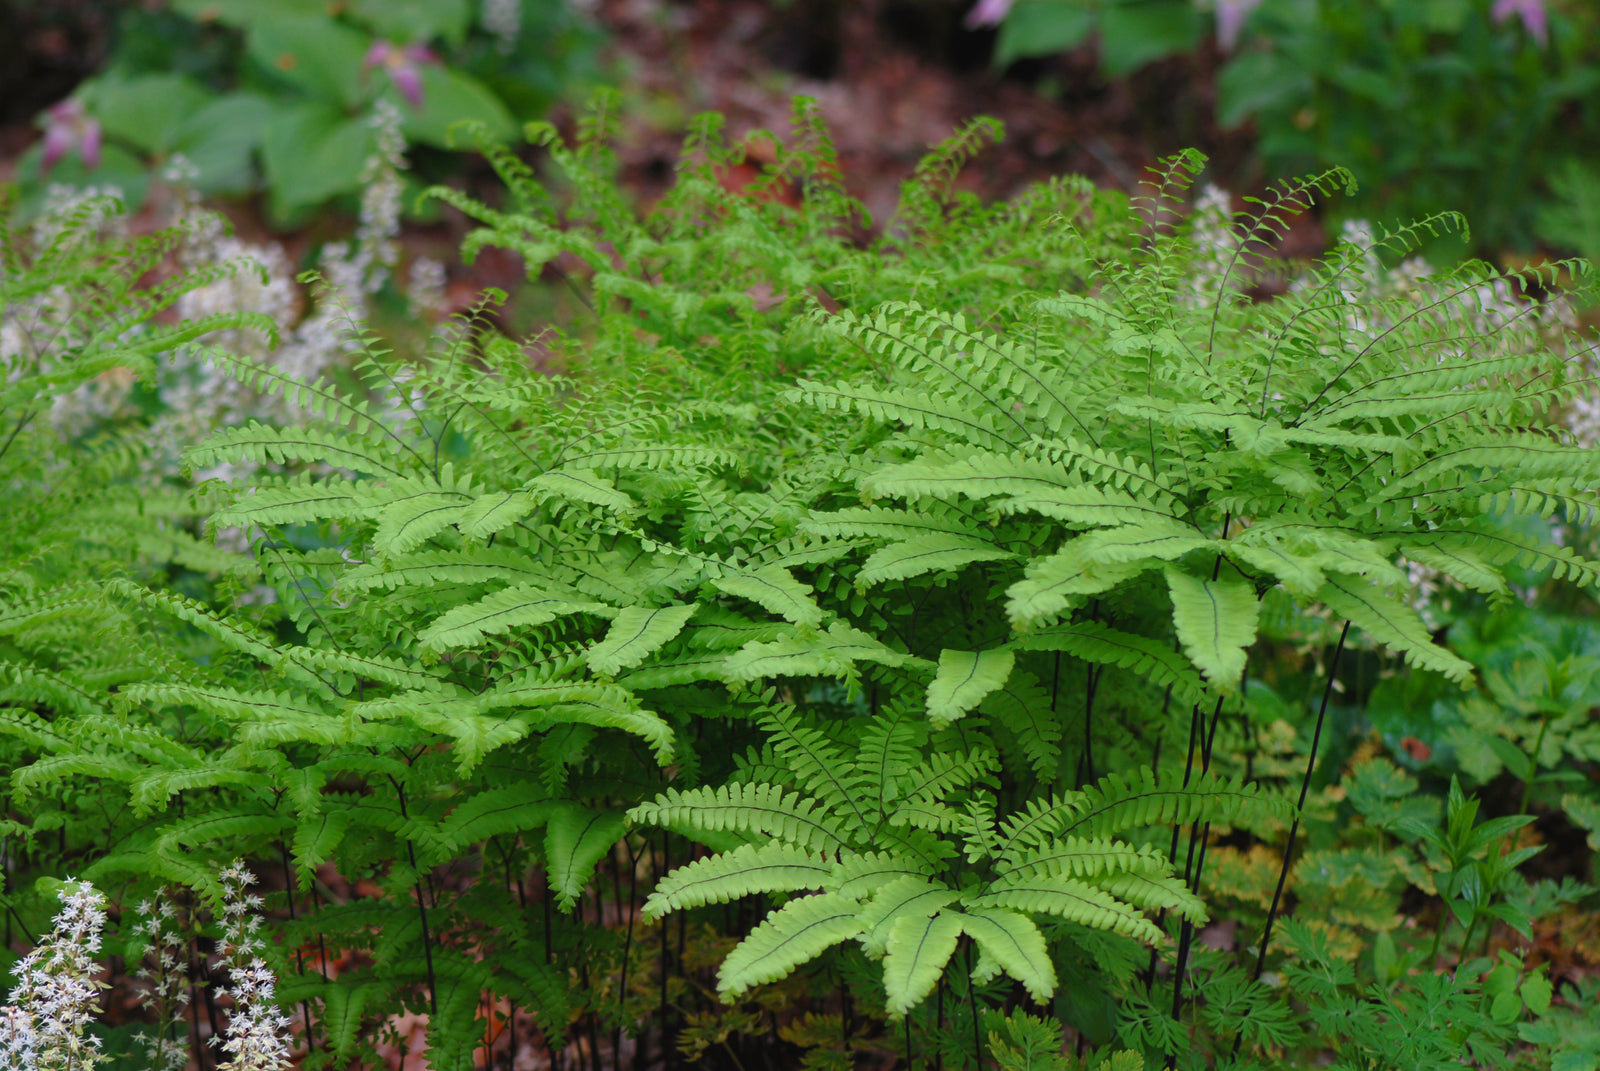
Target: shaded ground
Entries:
(892, 78)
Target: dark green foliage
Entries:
(1486, 108)
(275, 95)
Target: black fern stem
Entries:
(299, 960)
(1091, 688)
(422, 906)
(668, 1054)
(427, 941)
(972, 1006)
(1177, 832)
(1191, 877)
(1294, 826)
(627, 950)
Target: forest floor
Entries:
(891, 77)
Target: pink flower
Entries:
(404, 66)
(1532, 13)
(1230, 20)
(67, 127)
(988, 13)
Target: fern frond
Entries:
(1059, 581)
(744, 871)
(857, 877)
(1216, 624)
(964, 679)
(758, 809)
(309, 445)
(806, 653)
(773, 588)
(928, 553)
(1013, 942)
(636, 633)
(916, 954)
(908, 897)
(575, 840)
(796, 933)
(1071, 899)
(1393, 623)
(515, 607)
(1093, 641)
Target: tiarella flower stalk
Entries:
(165, 980)
(258, 1035)
(502, 19)
(46, 1027)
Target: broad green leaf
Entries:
(243, 13)
(1536, 992)
(315, 53)
(1257, 80)
(1134, 34)
(312, 152)
(405, 21)
(448, 97)
(147, 112)
(1041, 27)
(221, 141)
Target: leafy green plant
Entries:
(78, 319)
(1450, 105)
(274, 94)
(936, 584)
(1128, 33)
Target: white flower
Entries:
(46, 1026)
(166, 984)
(503, 19)
(258, 1034)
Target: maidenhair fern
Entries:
(918, 581)
(892, 828)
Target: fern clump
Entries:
(924, 584)
(906, 852)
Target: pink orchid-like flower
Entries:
(69, 127)
(1535, 19)
(988, 13)
(1230, 21)
(404, 66)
